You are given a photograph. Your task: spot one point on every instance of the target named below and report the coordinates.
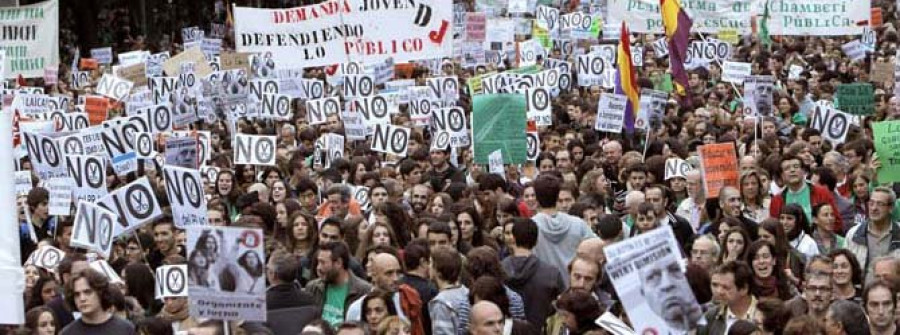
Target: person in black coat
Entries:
(537, 282)
(284, 292)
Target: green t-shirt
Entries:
(801, 198)
(335, 296)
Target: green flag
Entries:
(764, 28)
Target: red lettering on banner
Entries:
(300, 14)
(438, 36)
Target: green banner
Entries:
(499, 122)
(887, 145)
(856, 99)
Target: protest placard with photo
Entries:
(226, 273)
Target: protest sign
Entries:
(114, 87)
(318, 110)
(46, 257)
(390, 139)
(794, 71)
(172, 67)
(495, 163)
(102, 55)
(89, 176)
(31, 38)
(234, 60)
(45, 155)
(103, 267)
(358, 85)
(134, 204)
(133, 57)
(591, 69)
(171, 281)
(135, 73)
(276, 106)
(498, 122)
(23, 182)
(538, 102)
(51, 74)
(708, 51)
(611, 113)
(816, 17)
(652, 109)
(254, 149)
(60, 201)
(444, 88)
(832, 123)
(453, 120)
(856, 99)
(758, 95)
(117, 139)
(735, 72)
(677, 168)
(93, 228)
(226, 251)
(887, 145)
(882, 72)
(854, 50)
(868, 39)
(301, 37)
(153, 66)
(719, 167)
(475, 24)
(182, 151)
(646, 270)
(534, 146)
(643, 16)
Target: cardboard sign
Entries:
(391, 139)
(93, 228)
(373, 109)
(172, 67)
(868, 39)
(154, 64)
(495, 163)
(677, 168)
(652, 109)
(117, 139)
(444, 88)
(318, 110)
(832, 123)
(133, 205)
(234, 60)
(45, 155)
(88, 64)
(611, 113)
(135, 73)
(133, 57)
(89, 176)
(114, 87)
(183, 152)
(312, 89)
(759, 95)
(254, 149)
(719, 166)
(711, 50)
(185, 190)
(440, 141)
(591, 70)
(886, 145)
(60, 202)
(882, 72)
(162, 89)
(172, 281)
(103, 267)
(144, 145)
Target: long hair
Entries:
(140, 282)
(781, 281)
(34, 315)
(399, 220)
(801, 223)
(366, 240)
(312, 228)
(747, 241)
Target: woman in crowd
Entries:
(847, 275)
(736, 242)
(41, 321)
(768, 279)
(798, 230)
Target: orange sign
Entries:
(88, 64)
(97, 108)
(404, 70)
(719, 166)
(877, 18)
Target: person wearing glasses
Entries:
(879, 236)
(798, 191)
(817, 290)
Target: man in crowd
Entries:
(90, 293)
(560, 233)
(337, 287)
(731, 289)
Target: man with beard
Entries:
(798, 191)
(164, 239)
(668, 294)
(817, 290)
(419, 198)
(337, 287)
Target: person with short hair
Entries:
(879, 236)
(879, 301)
(450, 308)
(731, 283)
(89, 292)
(336, 286)
(560, 233)
(846, 318)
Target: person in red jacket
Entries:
(798, 191)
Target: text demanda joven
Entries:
(300, 14)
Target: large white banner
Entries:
(816, 17)
(30, 37)
(710, 16)
(340, 31)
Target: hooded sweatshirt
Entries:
(537, 283)
(558, 240)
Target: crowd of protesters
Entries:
(808, 243)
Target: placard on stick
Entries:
(719, 167)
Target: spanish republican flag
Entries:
(626, 81)
(678, 35)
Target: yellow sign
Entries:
(728, 35)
